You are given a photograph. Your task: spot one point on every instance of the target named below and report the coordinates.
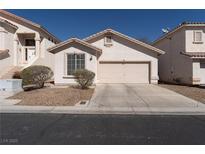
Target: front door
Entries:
(29, 50)
(29, 54)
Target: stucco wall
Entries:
(191, 46)
(46, 58)
(60, 71)
(124, 50)
(6, 42)
(173, 66)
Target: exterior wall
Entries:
(191, 46)
(6, 42)
(173, 66)
(122, 50)
(46, 58)
(60, 60)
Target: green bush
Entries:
(84, 78)
(35, 76)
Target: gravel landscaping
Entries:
(195, 93)
(53, 96)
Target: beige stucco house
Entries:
(184, 61)
(23, 43)
(112, 56)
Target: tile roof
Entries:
(194, 54)
(8, 23)
(41, 28)
(73, 40)
(3, 53)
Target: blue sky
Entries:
(135, 23)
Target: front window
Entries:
(74, 62)
(198, 36)
(29, 42)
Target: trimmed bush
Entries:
(84, 78)
(17, 75)
(35, 76)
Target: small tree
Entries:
(36, 75)
(84, 78)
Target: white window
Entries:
(74, 62)
(198, 36)
(108, 40)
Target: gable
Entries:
(123, 50)
(95, 37)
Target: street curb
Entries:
(89, 110)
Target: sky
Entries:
(139, 24)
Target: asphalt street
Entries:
(101, 129)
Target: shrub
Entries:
(84, 78)
(17, 75)
(35, 75)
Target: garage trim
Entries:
(130, 62)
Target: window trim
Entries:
(66, 63)
(195, 41)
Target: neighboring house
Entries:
(184, 61)
(112, 56)
(23, 43)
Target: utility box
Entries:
(13, 85)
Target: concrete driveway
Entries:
(138, 95)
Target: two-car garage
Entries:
(124, 72)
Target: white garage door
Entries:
(202, 72)
(123, 72)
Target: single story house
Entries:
(111, 55)
(184, 61)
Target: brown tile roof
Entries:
(181, 25)
(194, 54)
(3, 52)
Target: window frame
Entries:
(26, 39)
(196, 41)
(106, 42)
(66, 63)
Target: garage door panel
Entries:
(123, 72)
(136, 73)
(110, 73)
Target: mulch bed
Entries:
(53, 96)
(196, 93)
